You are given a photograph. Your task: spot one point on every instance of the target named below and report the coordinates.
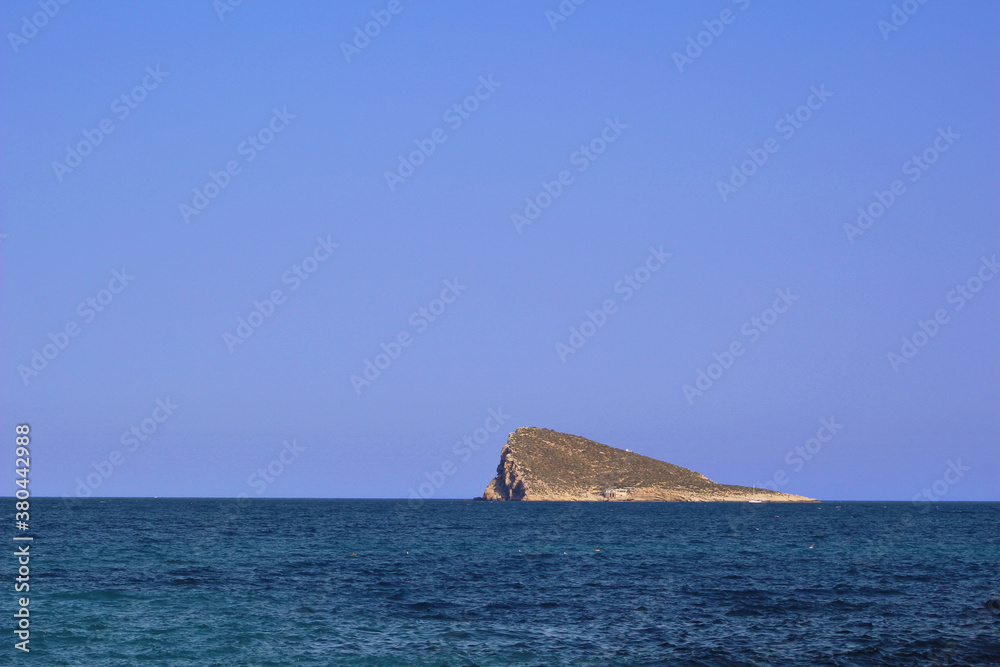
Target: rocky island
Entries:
(540, 464)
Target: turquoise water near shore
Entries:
(329, 582)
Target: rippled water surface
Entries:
(356, 582)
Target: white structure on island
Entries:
(617, 494)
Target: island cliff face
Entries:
(539, 464)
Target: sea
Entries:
(129, 581)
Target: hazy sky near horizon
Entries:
(689, 174)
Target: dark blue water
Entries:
(294, 582)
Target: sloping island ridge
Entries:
(541, 464)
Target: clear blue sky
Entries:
(328, 127)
